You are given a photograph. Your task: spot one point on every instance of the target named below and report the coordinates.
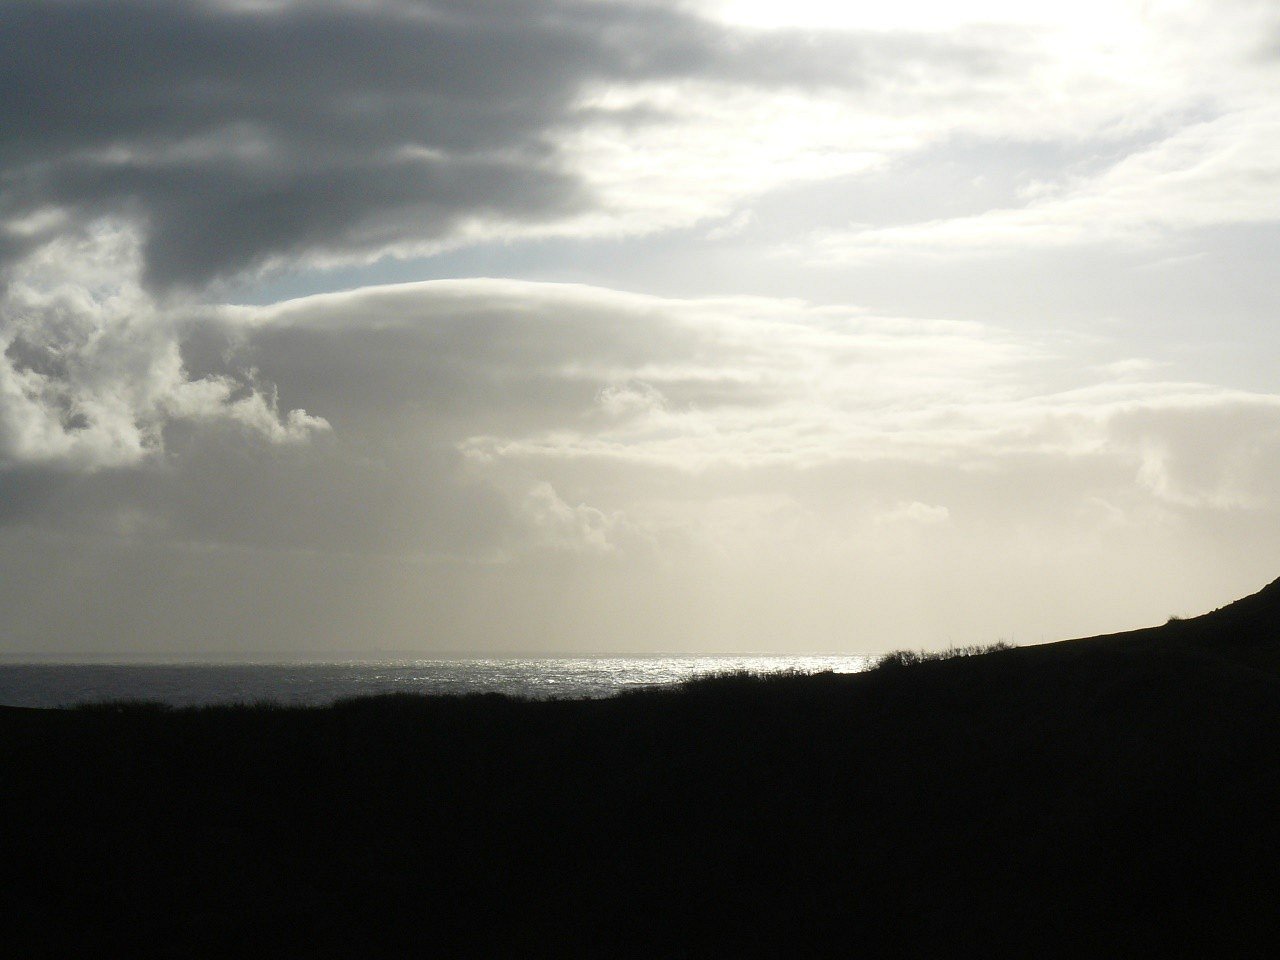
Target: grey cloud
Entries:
(222, 486)
(404, 375)
(384, 525)
(474, 357)
(1215, 458)
(208, 219)
(451, 401)
(236, 135)
(293, 118)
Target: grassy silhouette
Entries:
(1093, 798)
(907, 658)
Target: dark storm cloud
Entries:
(239, 133)
(210, 218)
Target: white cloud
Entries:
(631, 399)
(91, 370)
(625, 399)
(572, 384)
(1217, 172)
(578, 528)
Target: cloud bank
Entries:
(522, 440)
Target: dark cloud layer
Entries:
(235, 134)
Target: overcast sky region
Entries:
(480, 326)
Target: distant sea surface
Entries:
(196, 684)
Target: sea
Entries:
(319, 683)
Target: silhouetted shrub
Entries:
(907, 658)
(742, 679)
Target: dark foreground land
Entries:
(1097, 798)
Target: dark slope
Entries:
(1095, 798)
(1248, 629)
(1246, 632)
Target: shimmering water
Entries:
(52, 685)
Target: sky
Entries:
(583, 326)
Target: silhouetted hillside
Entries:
(1092, 798)
(1246, 631)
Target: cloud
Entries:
(915, 512)
(453, 459)
(544, 373)
(91, 371)
(236, 135)
(662, 415)
(1217, 172)
(762, 465)
(581, 528)
(1208, 458)
(473, 418)
(585, 372)
(232, 138)
(631, 399)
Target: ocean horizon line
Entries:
(268, 658)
